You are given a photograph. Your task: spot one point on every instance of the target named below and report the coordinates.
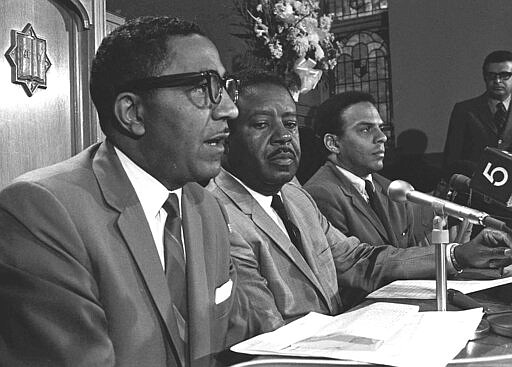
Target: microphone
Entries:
(463, 183)
(401, 191)
(460, 182)
(493, 176)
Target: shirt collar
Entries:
(493, 102)
(151, 193)
(358, 182)
(264, 201)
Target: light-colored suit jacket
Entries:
(81, 283)
(281, 284)
(348, 211)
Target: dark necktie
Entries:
(500, 117)
(293, 231)
(377, 207)
(175, 263)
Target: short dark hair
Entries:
(496, 56)
(134, 50)
(251, 77)
(327, 118)
(328, 114)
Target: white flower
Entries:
(284, 12)
(325, 23)
(301, 45)
(319, 52)
(259, 8)
(260, 29)
(276, 49)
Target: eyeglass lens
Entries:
(502, 76)
(217, 84)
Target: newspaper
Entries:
(426, 289)
(383, 333)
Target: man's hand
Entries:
(489, 249)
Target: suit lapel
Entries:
(250, 207)
(200, 273)
(132, 224)
(358, 201)
(384, 202)
(311, 250)
(484, 114)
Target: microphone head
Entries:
(460, 182)
(398, 190)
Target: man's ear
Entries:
(331, 143)
(129, 113)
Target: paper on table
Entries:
(384, 333)
(426, 289)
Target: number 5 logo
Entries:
(489, 175)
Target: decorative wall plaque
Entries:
(28, 58)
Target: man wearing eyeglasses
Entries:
(482, 121)
(290, 259)
(116, 256)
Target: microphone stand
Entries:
(440, 239)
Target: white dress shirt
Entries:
(152, 196)
(494, 102)
(358, 182)
(266, 203)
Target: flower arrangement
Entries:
(291, 36)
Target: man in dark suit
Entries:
(483, 121)
(116, 256)
(347, 188)
(290, 259)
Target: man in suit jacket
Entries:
(295, 262)
(349, 126)
(481, 122)
(84, 263)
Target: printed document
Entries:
(426, 289)
(383, 333)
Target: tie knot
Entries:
(368, 186)
(501, 107)
(277, 203)
(172, 206)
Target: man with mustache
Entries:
(117, 256)
(347, 189)
(290, 259)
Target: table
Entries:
(491, 350)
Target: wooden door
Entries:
(46, 114)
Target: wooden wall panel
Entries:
(48, 126)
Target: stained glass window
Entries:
(346, 9)
(363, 65)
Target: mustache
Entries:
(281, 150)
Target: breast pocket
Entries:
(223, 298)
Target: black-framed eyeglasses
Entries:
(209, 79)
(504, 75)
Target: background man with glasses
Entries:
(482, 121)
(116, 256)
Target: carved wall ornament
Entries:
(29, 59)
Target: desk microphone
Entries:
(402, 191)
(493, 176)
(463, 183)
